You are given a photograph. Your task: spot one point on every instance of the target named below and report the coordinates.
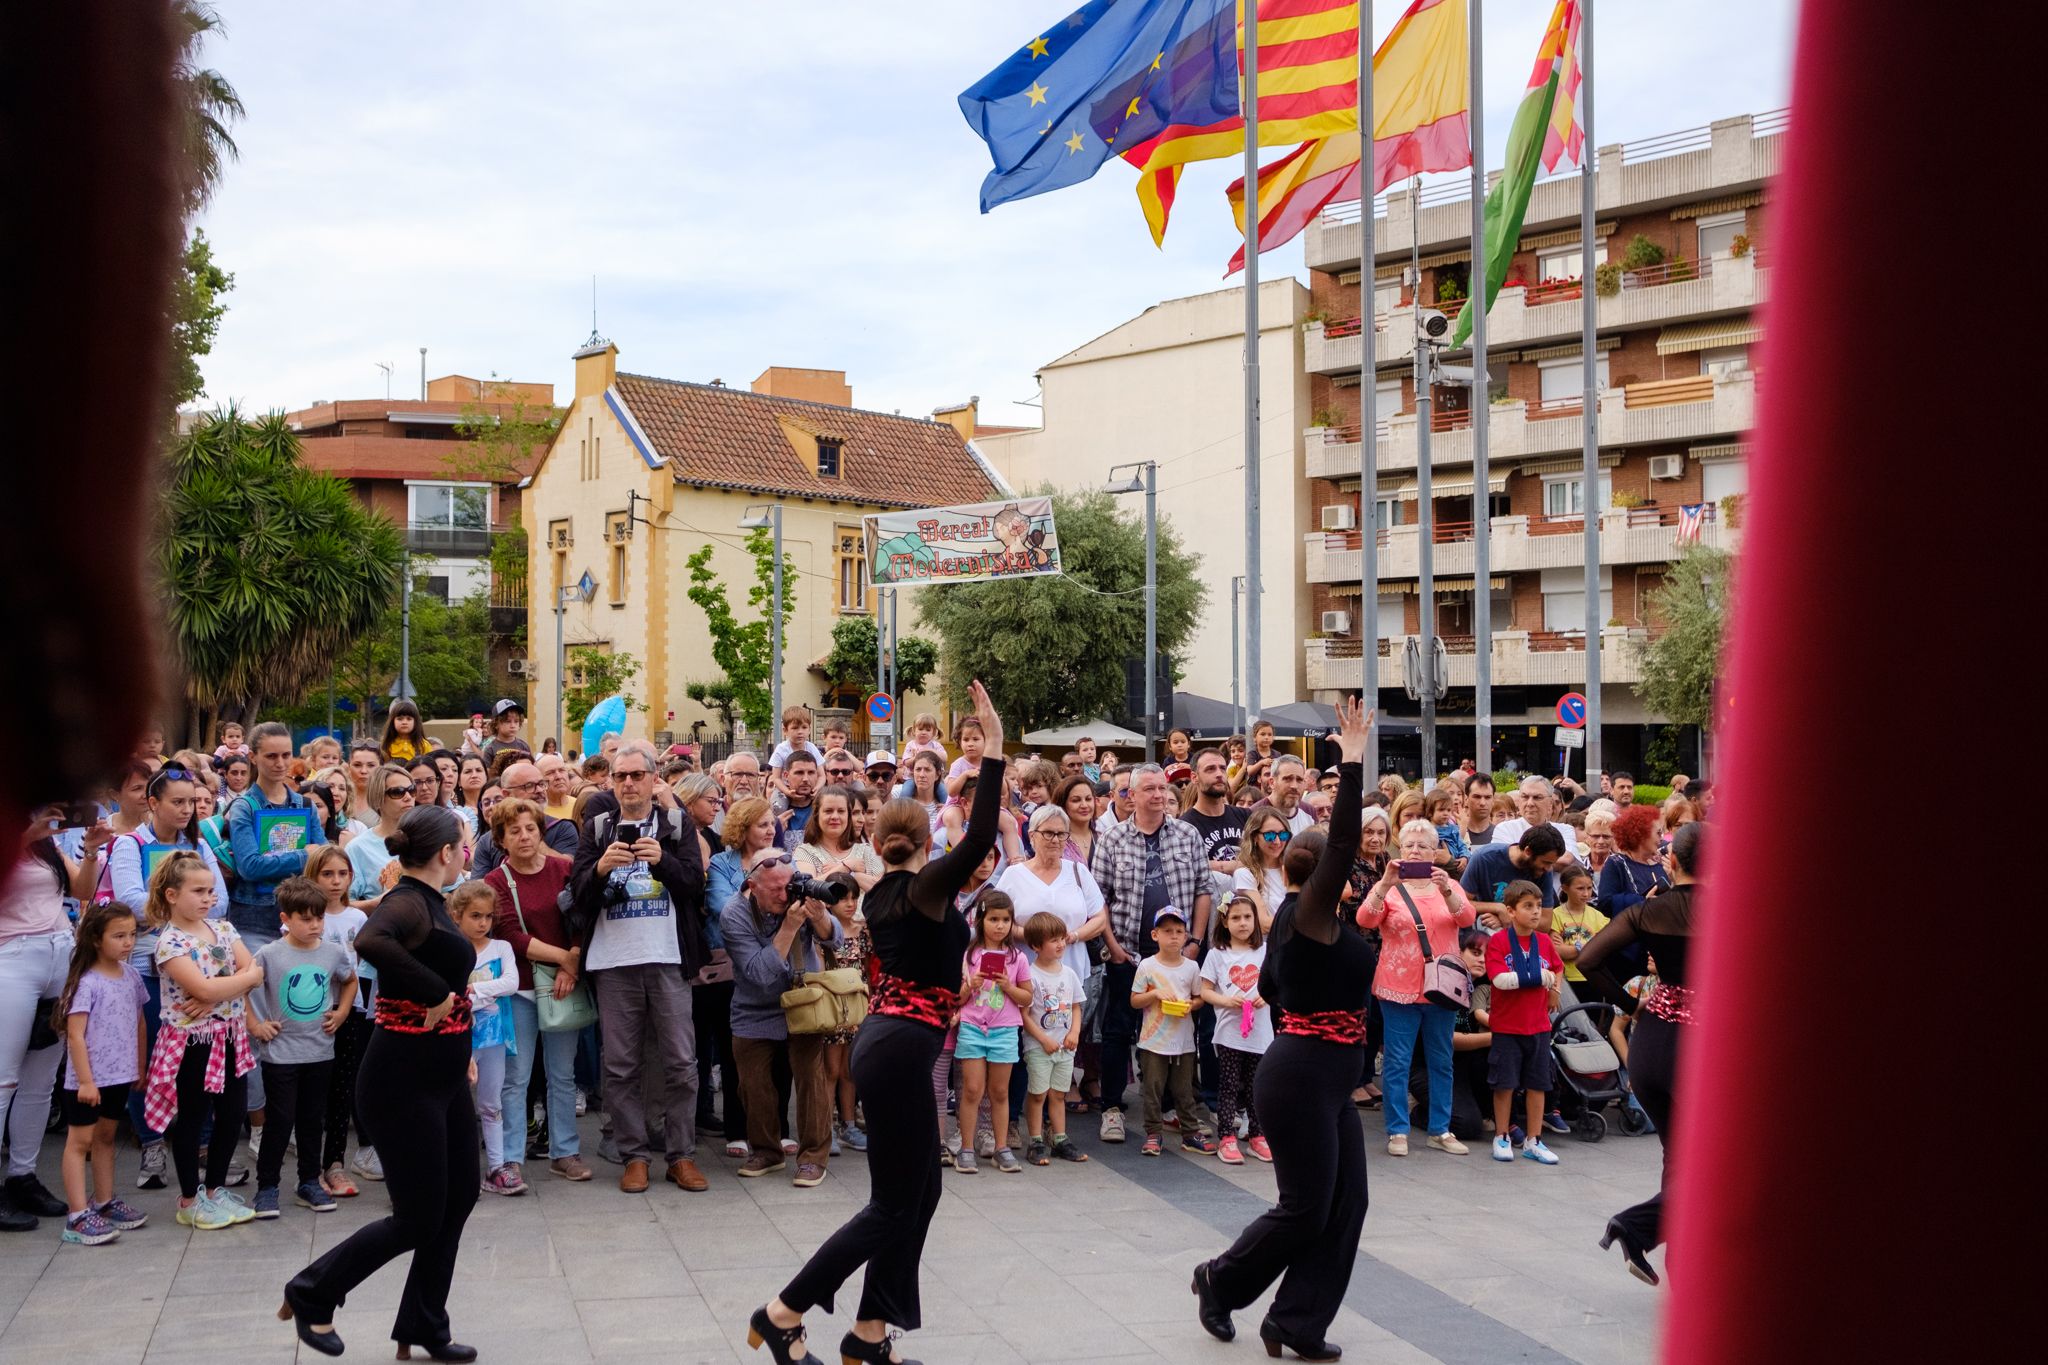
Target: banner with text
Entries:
(982, 540)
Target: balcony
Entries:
(1628, 535)
(1521, 658)
(1665, 410)
(508, 604)
(1724, 157)
(443, 541)
(1532, 314)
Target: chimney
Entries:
(812, 386)
(961, 417)
(597, 365)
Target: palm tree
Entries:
(210, 104)
(269, 569)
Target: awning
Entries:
(1462, 488)
(1387, 589)
(1701, 335)
(1728, 204)
(1569, 237)
(1464, 584)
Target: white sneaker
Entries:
(1503, 1150)
(367, 1165)
(1397, 1145)
(985, 1143)
(1444, 1142)
(1112, 1125)
(1534, 1149)
(582, 1104)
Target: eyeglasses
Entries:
(1276, 836)
(630, 775)
(398, 791)
(536, 785)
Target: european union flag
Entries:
(1104, 78)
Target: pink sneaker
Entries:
(1227, 1153)
(1259, 1148)
(505, 1180)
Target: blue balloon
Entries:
(608, 717)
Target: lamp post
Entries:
(769, 514)
(1236, 660)
(1143, 476)
(579, 591)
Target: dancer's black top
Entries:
(420, 957)
(919, 936)
(1313, 964)
(1662, 924)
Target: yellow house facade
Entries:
(646, 471)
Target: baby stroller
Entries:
(1588, 1072)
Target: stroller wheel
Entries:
(1590, 1127)
(1634, 1121)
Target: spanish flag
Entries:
(1308, 88)
(1420, 109)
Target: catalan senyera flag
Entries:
(1420, 109)
(1308, 88)
(1539, 127)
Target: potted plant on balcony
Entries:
(1731, 511)
(1625, 499)
(1607, 279)
(1639, 255)
(1740, 246)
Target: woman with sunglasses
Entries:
(1266, 837)
(390, 791)
(919, 939)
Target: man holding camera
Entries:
(774, 931)
(637, 888)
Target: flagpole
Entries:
(1368, 406)
(1482, 404)
(1248, 99)
(1589, 398)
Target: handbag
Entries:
(1445, 981)
(573, 1012)
(831, 1001)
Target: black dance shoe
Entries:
(1275, 1336)
(854, 1351)
(1638, 1263)
(448, 1350)
(1214, 1317)
(295, 1311)
(761, 1330)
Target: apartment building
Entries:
(1683, 218)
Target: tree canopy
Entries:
(1681, 666)
(743, 650)
(196, 309)
(269, 570)
(851, 665)
(1053, 649)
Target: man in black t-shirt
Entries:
(1220, 824)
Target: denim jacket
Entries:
(252, 900)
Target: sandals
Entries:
(337, 1183)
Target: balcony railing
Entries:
(451, 542)
(508, 592)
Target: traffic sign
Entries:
(586, 586)
(881, 707)
(1570, 739)
(1571, 710)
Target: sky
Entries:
(783, 182)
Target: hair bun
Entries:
(897, 848)
(396, 843)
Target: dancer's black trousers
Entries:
(1653, 1049)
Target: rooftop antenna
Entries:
(423, 374)
(385, 366)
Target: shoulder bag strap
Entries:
(1420, 932)
(512, 883)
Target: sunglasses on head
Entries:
(164, 777)
(779, 860)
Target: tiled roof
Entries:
(732, 438)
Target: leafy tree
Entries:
(450, 664)
(1053, 649)
(196, 310)
(598, 674)
(851, 665)
(743, 651)
(210, 104)
(1681, 665)
(269, 570)
(501, 444)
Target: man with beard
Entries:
(1220, 824)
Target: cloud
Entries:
(786, 182)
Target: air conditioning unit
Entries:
(516, 667)
(1336, 623)
(1667, 466)
(1341, 516)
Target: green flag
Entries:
(1508, 202)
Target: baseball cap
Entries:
(880, 758)
(1165, 912)
(505, 704)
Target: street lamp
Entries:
(769, 515)
(1143, 477)
(582, 590)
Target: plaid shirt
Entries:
(1119, 866)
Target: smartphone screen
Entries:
(81, 814)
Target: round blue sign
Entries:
(880, 706)
(1571, 710)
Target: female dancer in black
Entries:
(412, 1093)
(1662, 924)
(920, 942)
(1319, 974)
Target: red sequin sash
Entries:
(1672, 1004)
(893, 995)
(1330, 1026)
(407, 1016)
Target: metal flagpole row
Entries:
(1589, 398)
(1249, 100)
(1368, 391)
(1482, 404)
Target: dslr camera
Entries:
(811, 888)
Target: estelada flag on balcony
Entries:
(1420, 109)
(983, 540)
(1690, 515)
(1112, 74)
(1536, 137)
(1308, 88)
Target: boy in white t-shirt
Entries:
(1167, 988)
(1052, 1030)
